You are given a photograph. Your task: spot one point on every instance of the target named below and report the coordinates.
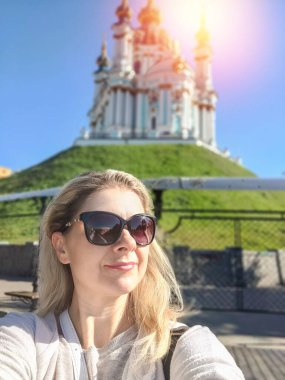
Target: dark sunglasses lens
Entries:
(142, 229)
(101, 229)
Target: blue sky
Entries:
(48, 50)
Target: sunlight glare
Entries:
(236, 29)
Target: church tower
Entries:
(110, 115)
(206, 97)
(101, 90)
(123, 36)
(148, 92)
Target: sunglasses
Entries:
(105, 228)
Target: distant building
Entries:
(148, 91)
(5, 172)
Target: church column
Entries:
(138, 125)
(213, 124)
(110, 107)
(144, 114)
(128, 110)
(122, 110)
(118, 107)
(168, 109)
(160, 107)
(202, 122)
(195, 121)
(210, 122)
(185, 122)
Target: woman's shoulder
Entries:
(196, 339)
(199, 352)
(19, 321)
(28, 323)
(200, 341)
(195, 336)
(34, 341)
(29, 319)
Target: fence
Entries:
(231, 260)
(223, 259)
(217, 229)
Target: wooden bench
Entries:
(26, 297)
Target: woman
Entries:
(108, 295)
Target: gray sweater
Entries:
(31, 348)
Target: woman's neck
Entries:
(98, 321)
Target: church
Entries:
(148, 92)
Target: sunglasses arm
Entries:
(69, 224)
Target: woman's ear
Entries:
(58, 242)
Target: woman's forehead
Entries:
(112, 199)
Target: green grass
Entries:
(147, 161)
(143, 161)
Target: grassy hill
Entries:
(143, 161)
(147, 161)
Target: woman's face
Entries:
(105, 271)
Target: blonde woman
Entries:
(108, 296)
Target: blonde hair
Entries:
(152, 304)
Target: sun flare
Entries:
(236, 28)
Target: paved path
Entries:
(260, 363)
(257, 341)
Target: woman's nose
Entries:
(126, 241)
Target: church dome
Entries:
(123, 11)
(149, 15)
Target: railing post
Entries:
(237, 233)
(279, 268)
(238, 271)
(158, 203)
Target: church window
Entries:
(137, 67)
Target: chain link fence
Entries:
(231, 260)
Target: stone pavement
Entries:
(13, 284)
(256, 340)
(260, 363)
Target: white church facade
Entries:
(148, 91)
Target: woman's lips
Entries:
(123, 266)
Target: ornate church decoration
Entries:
(148, 90)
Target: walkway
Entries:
(256, 340)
